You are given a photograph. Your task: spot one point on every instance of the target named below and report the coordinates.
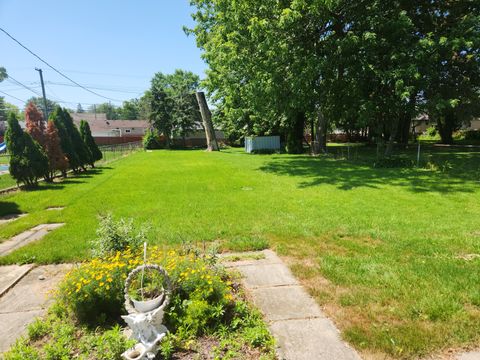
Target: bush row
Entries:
(45, 149)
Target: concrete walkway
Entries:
(299, 325)
(26, 300)
(34, 234)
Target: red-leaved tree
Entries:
(56, 158)
(35, 124)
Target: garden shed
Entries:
(254, 143)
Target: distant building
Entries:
(106, 132)
(422, 123)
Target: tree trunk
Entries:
(392, 136)
(321, 133)
(295, 134)
(212, 144)
(445, 126)
(312, 136)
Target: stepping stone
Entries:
(34, 234)
(306, 339)
(55, 208)
(267, 275)
(284, 303)
(11, 217)
(27, 300)
(473, 355)
(11, 274)
(296, 321)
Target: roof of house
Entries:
(88, 116)
(101, 124)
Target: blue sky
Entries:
(109, 45)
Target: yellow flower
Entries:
(107, 287)
(110, 279)
(101, 284)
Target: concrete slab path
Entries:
(28, 299)
(474, 355)
(26, 237)
(10, 275)
(297, 322)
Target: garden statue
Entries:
(147, 294)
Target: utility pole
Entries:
(45, 110)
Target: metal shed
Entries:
(253, 143)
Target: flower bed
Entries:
(208, 312)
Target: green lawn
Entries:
(6, 181)
(391, 254)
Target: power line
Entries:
(54, 69)
(23, 85)
(94, 87)
(14, 97)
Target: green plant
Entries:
(394, 162)
(150, 140)
(22, 351)
(147, 285)
(37, 329)
(113, 235)
(93, 151)
(28, 161)
(472, 135)
(431, 131)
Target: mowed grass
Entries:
(391, 254)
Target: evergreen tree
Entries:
(65, 141)
(80, 148)
(14, 135)
(57, 161)
(28, 161)
(86, 134)
(34, 123)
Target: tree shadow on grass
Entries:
(347, 175)
(8, 207)
(79, 178)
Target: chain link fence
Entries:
(116, 151)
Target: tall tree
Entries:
(173, 107)
(80, 148)
(94, 151)
(110, 110)
(65, 140)
(161, 108)
(449, 43)
(80, 108)
(34, 123)
(129, 110)
(38, 101)
(57, 161)
(3, 73)
(28, 161)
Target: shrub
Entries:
(57, 161)
(115, 236)
(400, 161)
(65, 140)
(431, 131)
(28, 161)
(94, 152)
(94, 290)
(150, 140)
(472, 135)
